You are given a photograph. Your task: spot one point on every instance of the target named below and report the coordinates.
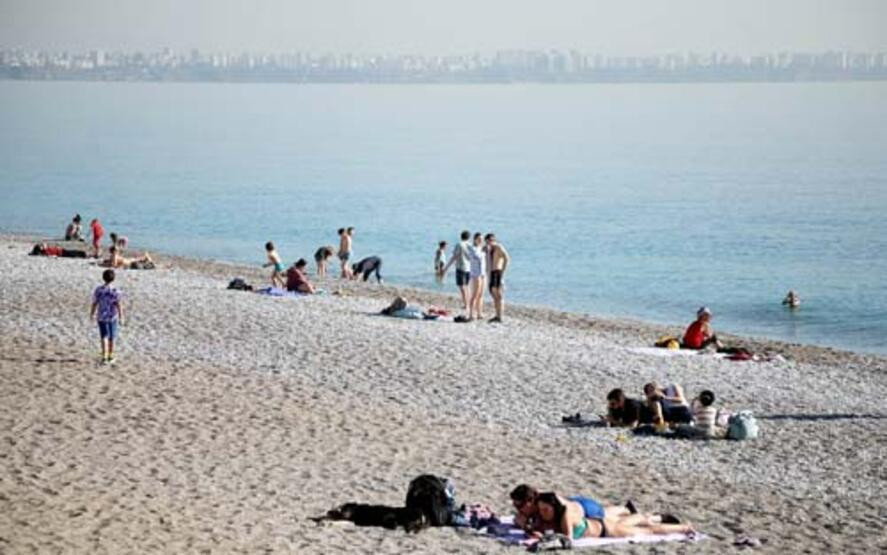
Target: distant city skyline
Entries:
(504, 66)
(397, 27)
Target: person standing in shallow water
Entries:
(498, 260)
(345, 246)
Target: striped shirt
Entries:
(704, 418)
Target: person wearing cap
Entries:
(699, 334)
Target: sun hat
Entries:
(703, 310)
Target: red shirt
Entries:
(97, 230)
(52, 250)
(694, 336)
(295, 279)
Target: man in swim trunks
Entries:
(345, 244)
(699, 334)
(367, 266)
(461, 258)
(498, 260)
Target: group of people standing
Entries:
(479, 260)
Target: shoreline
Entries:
(647, 332)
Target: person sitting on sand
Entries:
(74, 232)
(296, 280)
(667, 404)
(524, 497)
(699, 334)
(366, 267)
(569, 517)
(705, 414)
(321, 258)
(626, 412)
(792, 300)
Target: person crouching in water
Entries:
(366, 267)
(321, 258)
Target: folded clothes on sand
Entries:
(507, 532)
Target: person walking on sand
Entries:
(478, 270)
(440, 260)
(498, 261)
(277, 278)
(107, 310)
(97, 232)
(345, 245)
(321, 258)
(461, 258)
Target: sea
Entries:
(641, 201)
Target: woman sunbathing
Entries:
(119, 261)
(569, 517)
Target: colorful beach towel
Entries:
(507, 532)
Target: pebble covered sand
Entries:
(230, 418)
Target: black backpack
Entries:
(434, 497)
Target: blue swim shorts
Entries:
(108, 330)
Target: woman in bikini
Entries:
(569, 517)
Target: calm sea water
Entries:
(629, 200)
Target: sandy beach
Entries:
(230, 418)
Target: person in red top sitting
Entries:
(296, 279)
(97, 232)
(699, 334)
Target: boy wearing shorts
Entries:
(108, 312)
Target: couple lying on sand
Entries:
(581, 517)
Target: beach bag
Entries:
(434, 496)
(668, 342)
(742, 426)
(238, 284)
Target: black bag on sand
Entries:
(433, 496)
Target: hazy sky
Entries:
(447, 26)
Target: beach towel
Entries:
(658, 352)
(278, 292)
(507, 532)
